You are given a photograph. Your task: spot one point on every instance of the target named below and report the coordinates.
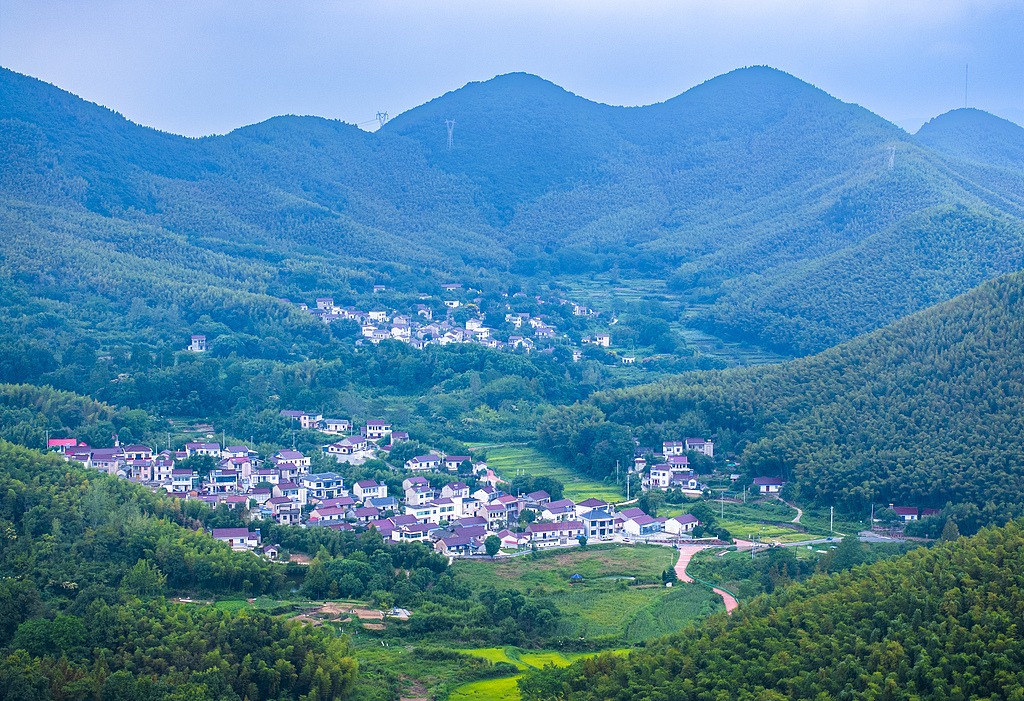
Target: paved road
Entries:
(685, 553)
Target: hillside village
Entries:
(449, 501)
(513, 330)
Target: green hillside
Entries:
(88, 560)
(927, 412)
(752, 186)
(975, 135)
(933, 624)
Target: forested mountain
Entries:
(928, 411)
(975, 135)
(743, 192)
(938, 623)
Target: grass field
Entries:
(742, 528)
(742, 520)
(609, 602)
(506, 689)
(507, 461)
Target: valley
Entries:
(687, 400)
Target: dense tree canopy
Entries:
(938, 623)
(926, 412)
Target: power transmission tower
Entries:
(450, 123)
(892, 157)
(966, 68)
(382, 117)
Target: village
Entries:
(444, 511)
(520, 331)
(455, 518)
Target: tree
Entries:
(950, 532)
(650, 501)
(144, 579)
(492, 545)
(582, 540)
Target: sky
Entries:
(198, 67)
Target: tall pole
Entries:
(831, 519)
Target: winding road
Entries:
(799, 511)
(685, 553)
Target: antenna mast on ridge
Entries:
(966, 68)
(450, 123)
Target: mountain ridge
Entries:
(732, 190)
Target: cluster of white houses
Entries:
(454, 518)
(421, 329)
(673, 470)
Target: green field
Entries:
(760, 518)
(507, 461)
(621, 594)
(506, 689)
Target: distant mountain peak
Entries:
(975, 135)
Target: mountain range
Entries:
(774, 208)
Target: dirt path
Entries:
(799, 511)
(415, 691)
(685, 553)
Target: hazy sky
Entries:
(208, 66)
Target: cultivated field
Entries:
(621, 593)
(508, 461)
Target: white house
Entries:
(769, 485)
(369, 489)
(455, 490)
(211, 449)
(377, 429)
(679, 525)
(452, 462)
(337, 426)
(323, 485)
(237, 538)
(701, 445)
(561, 510)
(422, 512)
(554, 534)
(673, 448)
(422, 463)
(642, 525)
